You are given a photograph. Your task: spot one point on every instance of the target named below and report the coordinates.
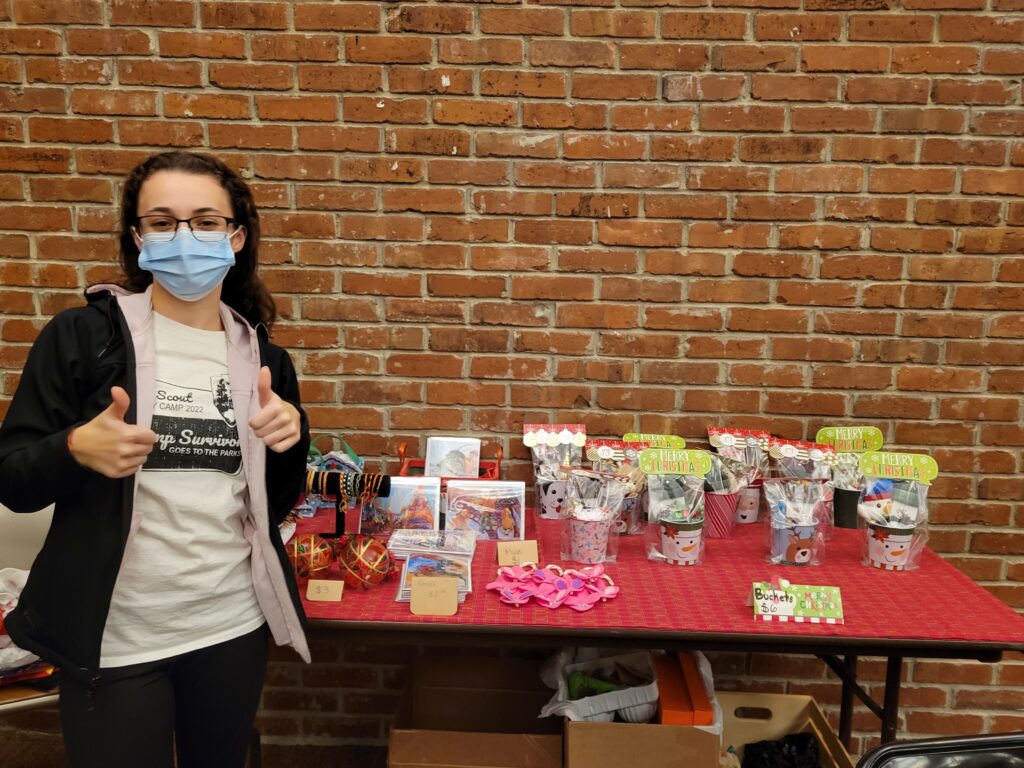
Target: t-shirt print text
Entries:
(195, 428)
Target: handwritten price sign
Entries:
(517, 552)
(324, 590)
(434, 595)
(797, 603)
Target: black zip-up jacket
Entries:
(77, 358)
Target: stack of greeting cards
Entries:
(491, 509)
(434, 553)
(414, 503)
(405, 543)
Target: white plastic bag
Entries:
(637, 703)
(557, 667)
(12, 581)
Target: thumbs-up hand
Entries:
(277, 423)
(109, 445)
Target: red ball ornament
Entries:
(310, 556)
(363, 560)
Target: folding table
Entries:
(933, 612)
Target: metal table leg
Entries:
(891, 704)
(846, 670)
(846, 703)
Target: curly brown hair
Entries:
(242, 290)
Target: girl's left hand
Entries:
(278, 422)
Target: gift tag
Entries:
(434, 595)
(799, 603)
(517, 552)
(324, 590)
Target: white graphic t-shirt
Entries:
(185, 582)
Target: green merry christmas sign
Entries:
(655, 441)
(670, 461)
(851, 439)
(899, 466)
(797, 603)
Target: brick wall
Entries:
(642, 214)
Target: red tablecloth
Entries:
(934, 603)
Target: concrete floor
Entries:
(30, 738)
(26, 749)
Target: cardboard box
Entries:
(613, 745)
(748, 717)
(471, 712)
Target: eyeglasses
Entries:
(208, 228)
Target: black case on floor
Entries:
(1002, 750)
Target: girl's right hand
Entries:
(108, 445)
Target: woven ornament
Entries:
(363, 560)
(310, 555)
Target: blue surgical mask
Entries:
(187, 267)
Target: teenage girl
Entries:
(167, 432)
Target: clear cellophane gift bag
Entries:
(675, 519)
(592, 516)
(893, 512)
(748, 447)
(848, 481)
(796, 458)
(724, 485)
(552, 447)
(806, 461)
(799, 514)
(850, 441)
(622, 458)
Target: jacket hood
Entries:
(229, 315)
(97, 291)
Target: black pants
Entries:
(203, 703)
